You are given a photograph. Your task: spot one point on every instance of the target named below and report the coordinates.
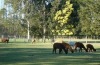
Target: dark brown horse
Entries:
(90, 48)
(80, 46)
(59, 46)
(5, 40)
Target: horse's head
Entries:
(72, 51)
(86, 50)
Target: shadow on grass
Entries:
(44, 56)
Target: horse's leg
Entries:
(60, 50)
(81, 49)
(91, 50)
(75, 48)
(54, 50)
(66, 51)
(7, 41)
(88, 49)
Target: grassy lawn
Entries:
(41, 54)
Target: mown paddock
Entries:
(23, 53)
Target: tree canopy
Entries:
(50, 17)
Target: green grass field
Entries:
(41, 54)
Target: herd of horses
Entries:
(68, 47)
(63, 46)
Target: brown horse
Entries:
(5, 40)
(90, 48)
(68, 46)
(80, 46)
(33, 41)
(64, 46)
(59, 46)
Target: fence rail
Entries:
(84, 39)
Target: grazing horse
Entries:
(5, 40)
(59, 46)
(80, 46)
(90, 47)
(68, 46)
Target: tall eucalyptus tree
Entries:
(33, 13)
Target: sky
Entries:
(1, 3)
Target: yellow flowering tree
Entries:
(61, 18)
